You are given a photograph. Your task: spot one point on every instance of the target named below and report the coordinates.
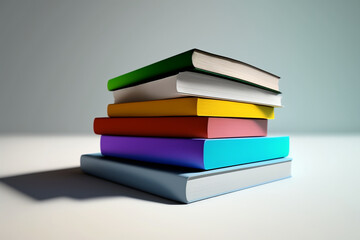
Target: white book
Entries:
(191, 84)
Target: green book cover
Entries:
(167, 67)
(163, 68)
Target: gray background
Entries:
(56, 56)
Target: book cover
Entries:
(198, 61)
(190, 107)
(191, 84)
(183, 184)
(195, 152)
(181, 127)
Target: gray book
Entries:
(184, 184)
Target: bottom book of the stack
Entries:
(185, 184)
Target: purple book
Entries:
(196, 153)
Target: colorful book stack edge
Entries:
(190, 127)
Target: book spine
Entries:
(156, 108)
(160, 183)
(155, 90)
(161, 69)
(186, 127)
(172, 151)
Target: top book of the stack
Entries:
(199, 61)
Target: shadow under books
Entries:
(73, 183)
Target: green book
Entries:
(199, 61)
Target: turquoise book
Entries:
(200, 153)
(185, 185)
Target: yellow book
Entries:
(190, 107)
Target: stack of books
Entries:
(190, 127)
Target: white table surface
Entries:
(44, 195)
